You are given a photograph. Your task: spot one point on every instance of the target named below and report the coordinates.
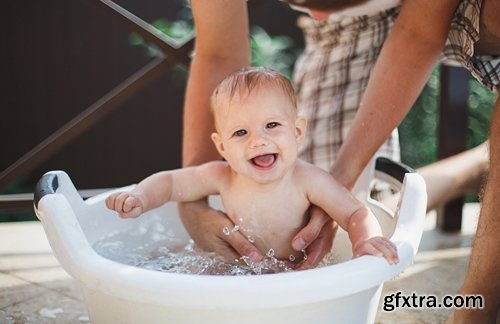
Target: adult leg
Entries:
(483, 276)
(455, 176)
(452, 177)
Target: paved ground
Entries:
(439, 269)
(34, 288)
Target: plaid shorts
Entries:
(332, 73)
(459, 48)
(331, 76)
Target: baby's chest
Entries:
(261, 212)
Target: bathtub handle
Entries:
(396, 170)
(47, 185)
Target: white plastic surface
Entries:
(347, 292)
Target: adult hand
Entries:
(316, 238)
(205, 225)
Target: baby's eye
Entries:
(272, 125)
(240, 132)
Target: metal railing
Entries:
(173, 54)
(452, 126)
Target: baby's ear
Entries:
(300, 129)
(218, 143)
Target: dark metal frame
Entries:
(452, 137)
(452, 129)
(173, 54)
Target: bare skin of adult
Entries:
(452, 177)
(220, 52)
(222, 47)
(381, 110)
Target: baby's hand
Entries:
(127, 205)
(378, 246)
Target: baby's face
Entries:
(259, 136)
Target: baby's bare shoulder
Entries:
(216, 166)
(307, 171)
(214, 171)
(313, 179)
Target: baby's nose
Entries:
(259, 140)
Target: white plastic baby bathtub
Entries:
(348, 292)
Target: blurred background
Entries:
(59, 57)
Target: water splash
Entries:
(154, 247)
(186, 259)
(228, 231)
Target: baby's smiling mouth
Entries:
(264, 161)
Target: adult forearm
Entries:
(205, 74)
(221, 47)
(402, 69)
(198, 119)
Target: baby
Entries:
(265, 189)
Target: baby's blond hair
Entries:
(246, 80)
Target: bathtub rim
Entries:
(105, 276)
(176, 290)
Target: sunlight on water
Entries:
(151, 246)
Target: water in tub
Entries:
(151, 246)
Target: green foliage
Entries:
(418, 142)
(17, 216)
(481, 102)
(276, 52)
(17, 186)
(418, 132)
(418, 145)
(177, 32)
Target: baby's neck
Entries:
(252, 184)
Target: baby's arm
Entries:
(366, 236)
(187, 184)
(352, 215)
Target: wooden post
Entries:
(453, 131)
